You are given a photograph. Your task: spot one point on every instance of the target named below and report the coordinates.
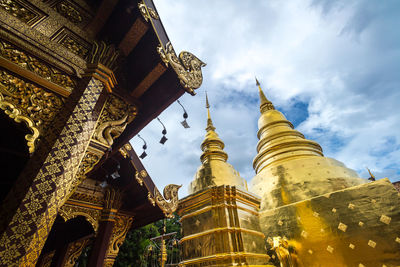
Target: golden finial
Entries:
(265, 104)
(372, 177)
(210, 126)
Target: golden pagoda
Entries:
(219, 218)
(324, 212)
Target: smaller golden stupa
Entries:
(219, 218)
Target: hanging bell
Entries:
(185, 116)
(164, 132)
(144, 154)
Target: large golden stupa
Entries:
(312, 210)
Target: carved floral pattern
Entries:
(26, 102)
(147, 12)
(121, 228)
(66, 9)
(68, 212)
(26, 61)
(16, 9)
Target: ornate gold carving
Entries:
(139, 178)
(116, 115)
(46, 261)
(72, 42)
(67, 9)
(147, 12)
(68, 211)
(187, 66)
(113, 198)
(23, 101)
(151, 199)
(28, 62)
(22, 10)
(121, 228)
(74, 251)
(105, 54)
(51, 182)
(124, 150)
(87, 164)
(171, 194)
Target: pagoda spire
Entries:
(265, 104)
(214, 169)
(278, 140)
(210, 126)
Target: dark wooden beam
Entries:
(133, 36)
(101, 17)
(149, 80)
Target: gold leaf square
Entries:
(385, 219)
(342, 227)
(310, 251)
(280, 223)
(361, 265)
(397, 240)
(372, 244)
(304, 234)
(333, 210)
(351, 206)
(316, 214)
(352, 246)
(330, 249)
(373, 201)
(360, 223)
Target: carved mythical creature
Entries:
(171, 194)
(187, 66)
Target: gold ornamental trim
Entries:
(221, 229)
(221, 256)
(210, 207)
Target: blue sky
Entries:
(332, 67)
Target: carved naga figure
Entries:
(171, 194)
(187, 66)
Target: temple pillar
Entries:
(113, 228)
(31, 207)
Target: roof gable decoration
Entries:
(187, 66)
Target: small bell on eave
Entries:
(144, 154)
(164, 132)
(185, 116)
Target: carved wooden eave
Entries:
(152, 73)
(142, 199)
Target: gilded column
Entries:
(31, 207)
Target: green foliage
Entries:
(133, 250)
(132, 253)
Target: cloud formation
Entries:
(332, 67)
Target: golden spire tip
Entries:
(207, 104)
(257, 82)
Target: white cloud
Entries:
(342, 57)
